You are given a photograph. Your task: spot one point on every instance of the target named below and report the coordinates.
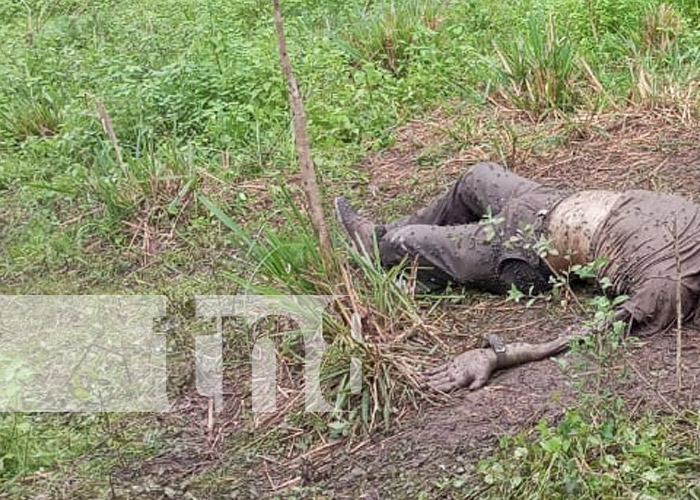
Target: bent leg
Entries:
(484, 185)
(461, 254)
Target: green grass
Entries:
(204, 153)
(595, 451)
(599, 455)
(45, 443)
(538, 69)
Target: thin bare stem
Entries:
(302, 142)
(107, 126)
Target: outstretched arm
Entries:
(473, 368)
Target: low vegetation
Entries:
(146, 147)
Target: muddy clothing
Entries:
(639, 240)
(481, 232)
(572, 224)
(452, 240)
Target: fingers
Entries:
(446, 386)
(443, 382)
(444, 379)
(479, 382)
(436, 369)
(440, 380)
(436, 379)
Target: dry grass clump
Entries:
(661, 27)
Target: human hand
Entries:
(472, 368)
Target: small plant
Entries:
(537, 70)
(386, 33)
(515, 295)
(661, 26)
(31, 115)
(662, 71)
(281, 262)
(490, 223)
(527, 237)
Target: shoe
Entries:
(360, 230)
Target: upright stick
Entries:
(301, 140)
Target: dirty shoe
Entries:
(359, 228)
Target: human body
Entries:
(495, 229)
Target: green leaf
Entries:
(552, 445)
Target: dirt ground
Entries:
(451, 439)
(656, 150)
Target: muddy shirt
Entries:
(638, 239)
(571, 225)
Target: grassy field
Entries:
(146, 147)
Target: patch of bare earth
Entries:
(639, 148)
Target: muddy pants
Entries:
(460, 236)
